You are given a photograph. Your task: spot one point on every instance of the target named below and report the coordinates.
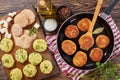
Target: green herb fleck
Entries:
(46, 67)
(97, 63)
(37, 47)
(29, 72)
(23, 57)
(32, 31)
(7, 61)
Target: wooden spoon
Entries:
(86, 41)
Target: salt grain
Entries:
(36, 25)
(9, 19)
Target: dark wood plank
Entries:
(75, 5)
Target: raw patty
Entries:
(6, 45)
(25, 40)
(16, 74)
(35, 58)
(8, 60)
(21, 55)
(30, 15)
(21, 19)
(40, 45)
(29, 70)
(17, 30)
(46, 67)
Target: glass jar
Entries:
(44, 7)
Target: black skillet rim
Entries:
(68, 19)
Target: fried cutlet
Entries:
(80, 59)
(86, 42)
(84, 24)
(69, 47)
(102, 41)
(96, 54)
(71, 31)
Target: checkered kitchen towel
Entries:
(71, 71)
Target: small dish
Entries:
(63, 12)
(50, 25)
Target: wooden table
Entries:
(7, 6)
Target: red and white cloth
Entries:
(71, 71)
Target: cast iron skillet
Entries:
(99, 23)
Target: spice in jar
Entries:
(63, 12)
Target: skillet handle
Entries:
(109, 9)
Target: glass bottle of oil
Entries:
(44, 7)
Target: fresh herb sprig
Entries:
(107, 71)
(32, 31)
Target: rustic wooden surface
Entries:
(7, 6)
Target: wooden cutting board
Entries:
(46, 54)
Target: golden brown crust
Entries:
(69, 47)
(84, 24)
(71, 31)
(96, 54)
(102, 41)
(86, 42)
(80, 59)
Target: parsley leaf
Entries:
(106, 71)
(32, 31)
